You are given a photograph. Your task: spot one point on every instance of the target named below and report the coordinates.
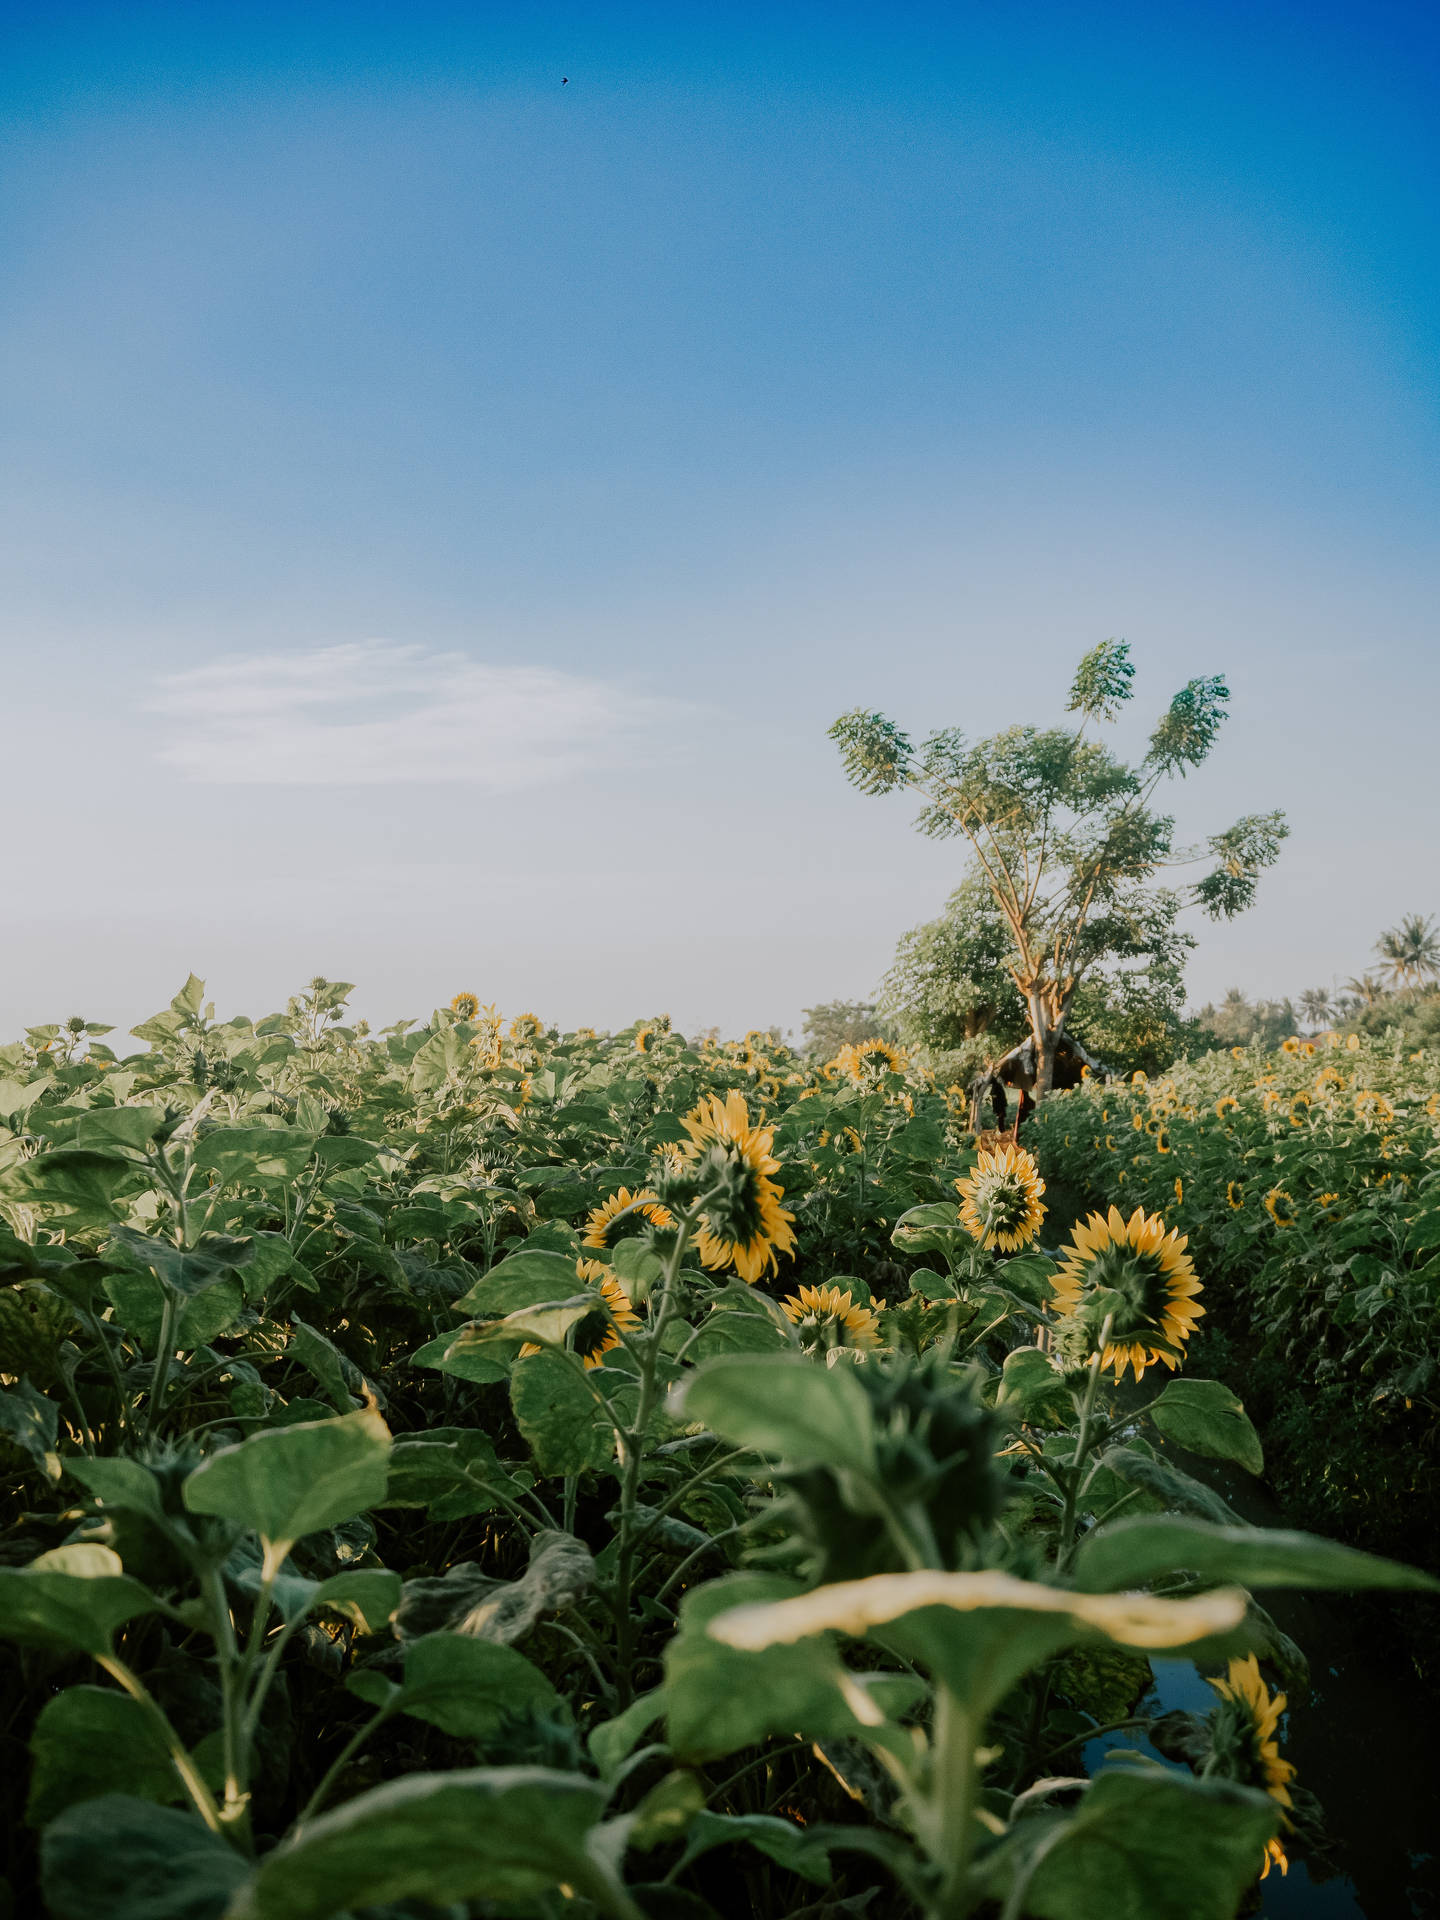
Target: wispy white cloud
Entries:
(371, 713)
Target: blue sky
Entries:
(442, 508)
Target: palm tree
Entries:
(1410, 953)
(1316, 1006)
(1365, 990)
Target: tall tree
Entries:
(1063, 831)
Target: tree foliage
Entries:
(1063, 832)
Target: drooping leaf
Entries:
(1207, 1418)
(1175, 1489)
(613, 1740)
(497, 1833)
(296, 1480)
(185, 1271)
(1131, 1553)
(129, 1860)
(560, 1572)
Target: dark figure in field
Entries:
(1018, 1069)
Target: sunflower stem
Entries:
(1082, 1445)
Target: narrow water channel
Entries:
(1364, 1742)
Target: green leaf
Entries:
(800, 1850)
(933, 1228)
(782, 1404)
(1154, 1845)
(111, 1127)
(75, 1184)
(545, 1325)
(718, 1699)
(1207, 1419)
(32, 1423)
(90, 1741)
(338, 1151)
(127, 1860)
(1177, 1490)
(471, 1363)
(1424, 1233)
(496, 1833)
(295, 1480)
(613, 1741)
(254, 1156)
(334, 1372)
(139, 1303)
(453, 1472)
(368, 1597)
(119, 1483)
(73, 1596)
(1034, 1388)
(464, 1686)
(184, 1271)
(560, 1570)
(1131, 1553)
(525, 1279)
(558, 1411)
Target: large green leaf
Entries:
(560, 1414)
(932, 1228)
(482, 1366)
(783, 1404)
(255, 1156)
(1153, 1845)
(1140, 1469)
(719, 1699)
(501, 1833)
(463, 1686)
(296, 1480)
(1033, 1388)
(1207, 1418)
(453, 1472)
(139, 1303)
(127, 1860)
(525, 1279)
(90, 1741)
(75, 1184)
(1131, 1553)
(74, 1596)
(120, 1483)
(977, 1632)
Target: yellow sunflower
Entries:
(1153, 1277)
(1234, 1195)
(465, 1006)
(605, 1225)
(1226, 1104)
(1353, 1043)
(828, 1318)
(1179, 1191)
(1373, 1106)
(743, 1225)
(867, 1061)
(643, 1036)
(1279, 1205)
(1162, 1141)
(1000, 1203)
(1243, 1739)
(1292, 1045)
(1237, 1053)
(526, 1027)
(1139, 1077)
(599, 1332)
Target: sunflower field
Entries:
(469, 1469)
(1307, 1180)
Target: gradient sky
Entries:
(443, 508)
